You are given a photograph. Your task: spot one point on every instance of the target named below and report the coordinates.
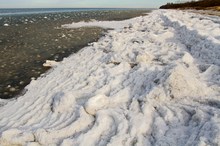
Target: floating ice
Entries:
(50, 63)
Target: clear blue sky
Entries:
(82, 3)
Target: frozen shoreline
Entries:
(39, 37)
(155, 81)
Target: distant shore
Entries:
(198, 5)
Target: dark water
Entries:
(51, 10)
(33, 36)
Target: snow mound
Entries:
(154, 80)
(96, 103)
(183, 83)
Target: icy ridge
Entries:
(154, 81)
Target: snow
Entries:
(153, 81)
(104, 24)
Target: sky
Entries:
(82, 3)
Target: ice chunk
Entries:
(50, 63)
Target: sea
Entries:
(22, 11)
(29, 37)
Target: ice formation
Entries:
(155, 81)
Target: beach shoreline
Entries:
(27, 41)
(155, 81)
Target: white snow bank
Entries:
(154, 81)
(104, 24)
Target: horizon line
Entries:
(77, 8)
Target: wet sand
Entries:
(27, 41)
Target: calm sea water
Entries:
(23, 11)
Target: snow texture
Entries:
(104, 24)
(155, 81)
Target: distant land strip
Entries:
(202, 4)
